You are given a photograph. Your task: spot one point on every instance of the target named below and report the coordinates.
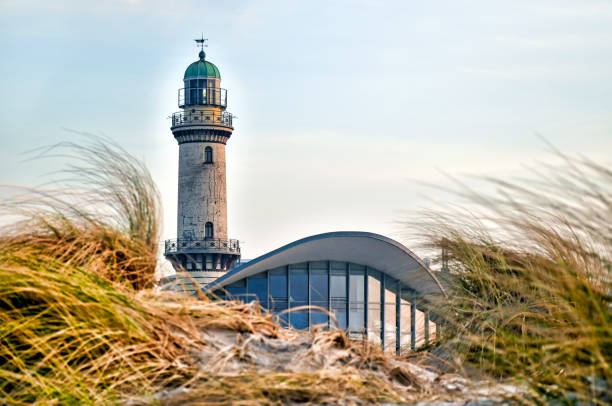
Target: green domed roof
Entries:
(202, 68)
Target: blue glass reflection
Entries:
(278, 292)
(299, 319)
(237, 289)
(258, 289)
(319, 289)
(298, 296)
(319, 318)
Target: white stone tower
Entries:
(202, 129)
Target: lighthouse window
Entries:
(208, 155)
(208, 230)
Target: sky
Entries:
(345, 108)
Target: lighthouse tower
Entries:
(202, 129)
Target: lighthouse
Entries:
(202, 129)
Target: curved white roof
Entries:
(373, 250)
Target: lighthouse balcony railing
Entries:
(202, 117)
(202, 96)
(207, 244)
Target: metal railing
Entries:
(202, 117)
(202, 96)
(207, 244)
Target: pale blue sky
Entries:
(342, 105)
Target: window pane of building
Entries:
(299, 319)
(299, 285)
(390, 326)
(319, 292)
(405, 304)
(237, 289)
(318, 286)
(298, 295)
(338, 266)
(338, 284)
(257, 287)
(319, 318)
(374, 300)
(338, 292)
(278, 291)
(357, 298)
(420, 328)
(357, 285)
(433, 331)
(319, 266)
(220, 294)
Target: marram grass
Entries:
(81, 325)
(72, 330)
(531, 282)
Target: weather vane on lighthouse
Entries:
(202, 42)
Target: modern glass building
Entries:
(372, 286)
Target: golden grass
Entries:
(103, 214)
(273, 388)
(531, 282)
(80, 324)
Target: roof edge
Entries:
(323, 236)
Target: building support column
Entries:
(269, 297)
(413, 322)
(426, 327)
(382, 310)
(398, 317)
(366, 302)
(288, 271)
(309, 300)
(348, 296)
(329, 302)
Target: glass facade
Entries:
(278, 302)
(360, 299)
(319, 293)
(405, 318)
(390, 310)
(374, 308)
(298, 295)
(337, 287)
(257, 288)
(357, 298)
(237, 289)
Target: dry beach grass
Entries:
(80, 321)
(81, 324)
(531, 281)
